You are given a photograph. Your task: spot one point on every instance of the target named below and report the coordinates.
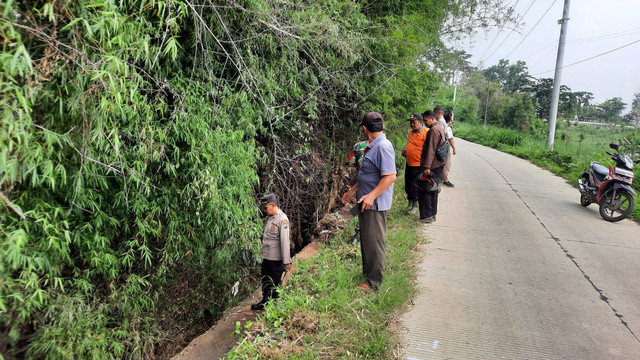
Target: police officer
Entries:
(275, 249)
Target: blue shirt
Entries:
(379, 159)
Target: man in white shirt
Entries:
(448, 134)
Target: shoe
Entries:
(427, 220)
(410, 206)
(448, 183)
(258, 306)
(415, 210)
(355, 238)
(364, 286)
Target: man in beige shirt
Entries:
(275, 249)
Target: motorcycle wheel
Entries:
(584, 200)
(617, 208)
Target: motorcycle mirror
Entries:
(614, 146)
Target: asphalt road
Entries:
(517, 269)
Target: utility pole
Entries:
(486, 105)
(455, 86)
(557, 77)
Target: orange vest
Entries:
(414, 146)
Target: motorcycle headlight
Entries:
(623, 173)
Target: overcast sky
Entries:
(594, 27)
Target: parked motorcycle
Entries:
(610, 188)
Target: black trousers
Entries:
(271, 278)
(428, 200)
(411, 181)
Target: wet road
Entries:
(517, 269)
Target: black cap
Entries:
(371, 118)
(269, 198)
(415, 116)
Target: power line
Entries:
(512, 30)
(606, 37)
(593, 57)
(589, 39)
(543, 57)
(534, 26)
(548, 48)
(539, 51)
(499, 32)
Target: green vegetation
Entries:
(135, 136)
(514, 106)
(573, 151)
(321, 313)
(506, 95)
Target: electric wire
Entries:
(534, 26)
(605, 37)
(545, 50)
(540, 50)
(512, 30)
(590, 58)
(543, 57)
(496, 37)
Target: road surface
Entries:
(517, 269)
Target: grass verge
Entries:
(322, 315)
(574, 149)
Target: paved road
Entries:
(517, 269)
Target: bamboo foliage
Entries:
(135, 135)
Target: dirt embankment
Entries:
(216, 342)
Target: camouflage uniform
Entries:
(357, 154)
(355, 159)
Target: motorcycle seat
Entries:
(599, 170)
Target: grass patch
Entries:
(321, 314)
(574, 148)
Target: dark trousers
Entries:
(271, 278)
(411, 181)
(428, 200)
(373, 226)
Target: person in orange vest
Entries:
(412, 152)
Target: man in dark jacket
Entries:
(431, 167)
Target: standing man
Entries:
(375, 191)
(439, 111)
(412, 152)
(431, 166)
(448, 134)
(275, 249)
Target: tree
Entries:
(613, 109)
(635, 105)
(635, 108)
(567, 102)
(520, 112)
(512, 78)
(541, 93)
(583, 98)
(134, 135)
